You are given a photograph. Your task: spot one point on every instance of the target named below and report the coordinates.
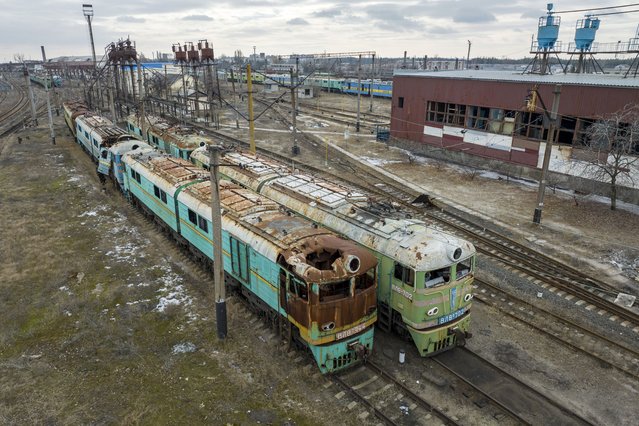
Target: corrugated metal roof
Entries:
(604, 80)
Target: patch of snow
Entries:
(183, 348)
(89, 213)
(174, 294)
(135, 302)
(625, 261)
(378, 161)
(128, 252)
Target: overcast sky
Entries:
(501, 28)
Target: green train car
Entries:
(176, 140)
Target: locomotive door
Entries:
(239, 260)
(294, 297)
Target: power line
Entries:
(597, 8)
(618, 13)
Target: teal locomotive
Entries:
(47, 81)
(366, 87)
(319, 287)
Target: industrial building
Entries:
(474, 114)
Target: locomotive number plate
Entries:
(450, 317)
(350, 331)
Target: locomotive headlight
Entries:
(328, 326)
(433, 311)
(468, 297)
(352, 264)
(455, 254)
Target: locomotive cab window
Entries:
(463, 268)
(204, 226)
(437, 277)
(135, 175)
(335, 291)
(404, 274)
(365, 281)
(298, 288)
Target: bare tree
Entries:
(613, 144)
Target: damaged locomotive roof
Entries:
(183, 137)
(313, 253)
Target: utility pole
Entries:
(237, 119)
(218, 268)
(186, 103)
(141, 95)
(468, 55)
(110, 89)
(295, 149)
(359, 90)
(34, 115)
(87, 10)
(547, 151)
(46, 89)
(249, 86)
(370, 108)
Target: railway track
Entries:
(7, 116)
(521, 401)
(365, 115)
(596, 344)
(387, 398)
(337, 117)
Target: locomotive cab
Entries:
(330, 295)
(435, 304)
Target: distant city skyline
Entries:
(434, 28)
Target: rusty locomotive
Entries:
(317, 286)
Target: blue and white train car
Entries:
(95, 134)
(115, 155)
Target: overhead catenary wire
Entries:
(617, 13)
(596, 8)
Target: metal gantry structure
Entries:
(296, 82)
(583, 47)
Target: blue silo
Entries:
(548, 30)
(585, 32)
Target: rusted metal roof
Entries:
(259, 221)
(108, 132)
(604, 80)
(350, 213)
(183, 136)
